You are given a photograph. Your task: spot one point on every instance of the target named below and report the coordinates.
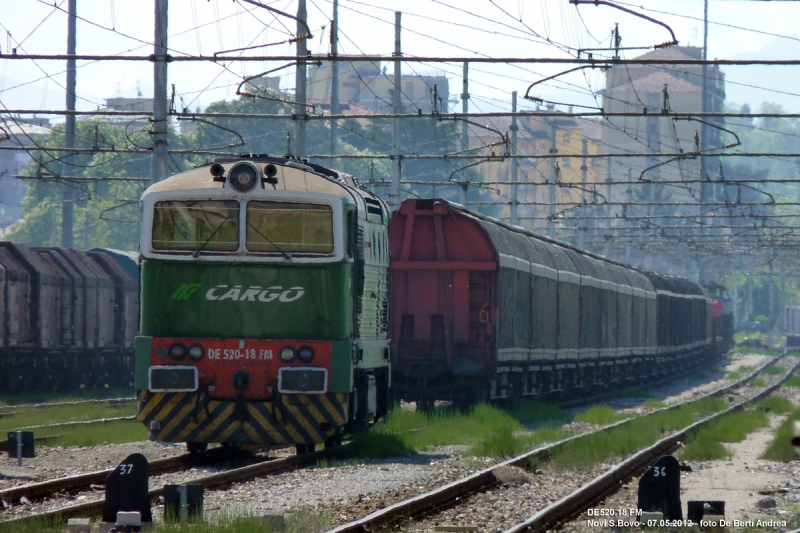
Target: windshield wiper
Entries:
(197, 252)
(284, 254)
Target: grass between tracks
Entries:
(781, 448)
(707, 443)
(12, 419)
(632, 437)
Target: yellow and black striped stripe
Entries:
(288, 419)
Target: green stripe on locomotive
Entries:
(247, 300)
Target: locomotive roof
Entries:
(292, 175)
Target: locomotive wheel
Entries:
(334, 441)
(302, 449)
(196, 448)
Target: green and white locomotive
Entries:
(264, 301)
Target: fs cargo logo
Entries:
(237, 294)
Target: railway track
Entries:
(220, 479)
(415, 506)
(459, 491)
(112, 402)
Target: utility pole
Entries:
(551, 226)
(335, 77)
(68, 205)
(158, 166)
(394, 199)
(300, 84)
(629, 199)
(514, 167)
(465, 125)
(704, 140)
(584, 168)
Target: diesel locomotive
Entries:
(264, 305)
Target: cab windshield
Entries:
(284, 227)
(209, 225)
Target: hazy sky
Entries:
(497, 28)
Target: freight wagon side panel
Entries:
(126, 299)
(91, 316)
(106, 301)
(45, 295)
(17, 301)
(63, 310)
(78, 302)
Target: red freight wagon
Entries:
(484, 310)
(444, 270)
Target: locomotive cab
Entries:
(264, 295)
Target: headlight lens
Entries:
(243, 177)
(287, 354)
(162, 352)
(305, 354)
(196, 352)
(178, 352)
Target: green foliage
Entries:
(706, 442)
(793, 381)
(757, 382)
(776, 404)
(781, 447)
(69, 413)
(526, 411)
(624, 440)
(773, 371)
(733, 376)
(653, 404)
(599, 414)
(111, 433)
(376, 445)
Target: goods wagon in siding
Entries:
(484, 310)
(69, 318)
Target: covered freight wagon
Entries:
(482, 309)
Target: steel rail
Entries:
(130, 418)
(269, 467)
(44, 405)
(607, 483)
(450, 494)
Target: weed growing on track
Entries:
(707, 442)
(29, 416)
(757, 382)
(776, 404)
(781, 448)
(632, 437)
(600, 414)
(42, 525)
(654, 404)
(793, 381)
(733, 376)
(526, 411)
(111, 433)
(773, 371)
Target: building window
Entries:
(567, 163)
(567, 137)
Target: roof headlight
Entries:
(243, 177)
(287, 354)
(196, 352)
(305, 354)
(178, 352)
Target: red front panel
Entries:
(223, 357)
(716, 307)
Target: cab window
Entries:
(283, 227)
(210, 225)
